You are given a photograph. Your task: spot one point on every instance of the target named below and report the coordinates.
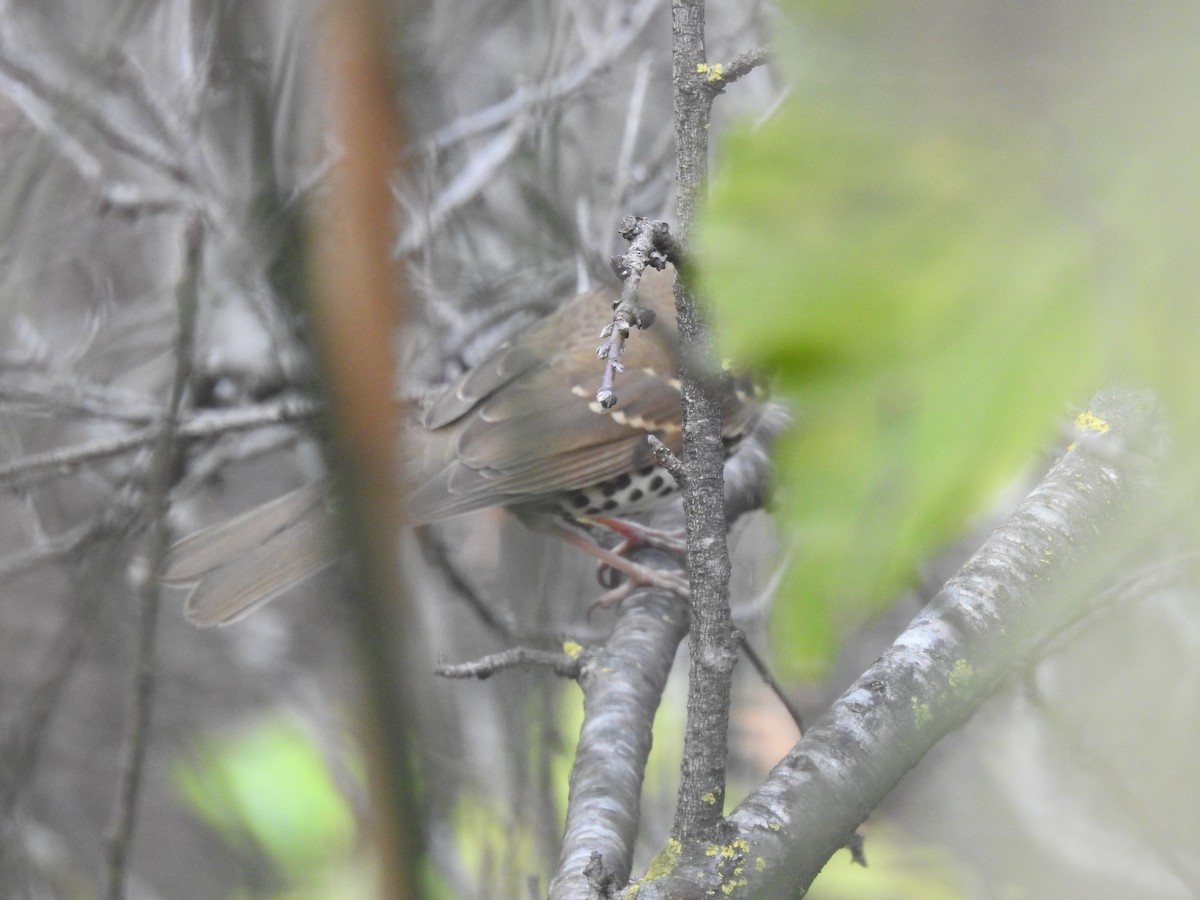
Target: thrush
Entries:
(521, 429)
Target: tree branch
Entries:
(1036, 575)
(355, 309)
(622, 686)
(711, 636)
(721, 74)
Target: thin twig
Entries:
(24, 732)
(668, 460)
(146, 583)
(200, 426)
(1110, 782)
(479, 172)
(623, 175)
(53, 548)
(53, 399)
(47, 103)
(527, 99)
(650, 244)
(768, 678)
(433, 548)
(565, 664)
(720, 74)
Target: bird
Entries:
(521, 429)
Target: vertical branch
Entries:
(711, 638)
(354, 311)
(146, 581)
(692, 104)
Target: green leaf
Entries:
(271, 785)
(922, 304)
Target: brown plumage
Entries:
(521, 429)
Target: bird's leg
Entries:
(635, 535)
(637, 573)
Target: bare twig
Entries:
(768, 678)
(650, 244)
(146, 584)
(24, 732)
(48, 102)
(57, 547)
(720, 74)
(668, 460)
(199, 426)
(433, 548)
(527, 99)
(566, 663)
(54, 399)
(479, 172)
(623, 175)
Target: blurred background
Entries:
(897, 168)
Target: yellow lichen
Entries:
(961, 674)
(665, 862)
(1089, 421)
(922, 714)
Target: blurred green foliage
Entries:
(497, 847)
(898, 868)
(952, 232)
(270, 785)
(269, 790)
(925, 312)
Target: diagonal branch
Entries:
(1037, 574)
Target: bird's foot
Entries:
(635, 535)
(637, 575)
